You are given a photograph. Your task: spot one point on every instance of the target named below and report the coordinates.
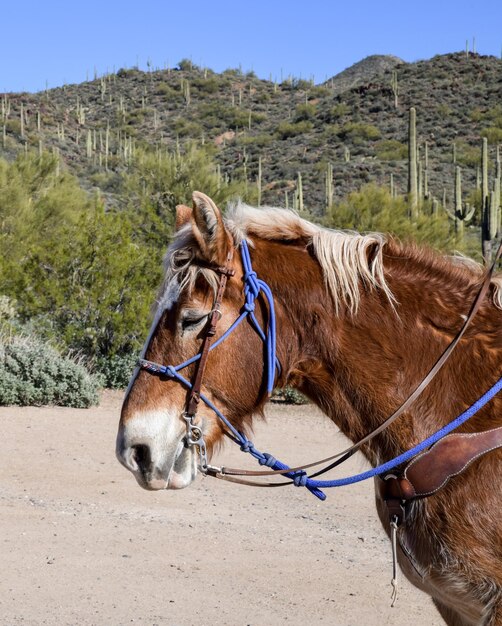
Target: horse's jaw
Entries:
(152, 447)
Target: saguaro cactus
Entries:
(426, 170)
(107, 144)
(245, 159)
(462, 213)
(21, 114)
(435, 207)
(298, 197)
(490, 226)
(5, 107)
(496, 188)
(88, 145)
(258, 180)
(484, 173)
(494, 215)
(412, 163)
(420, 182)
(489, 207)
(329, 186)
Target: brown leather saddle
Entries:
(428, 472)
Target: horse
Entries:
(360, 319)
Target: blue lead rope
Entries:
(253, 286)
(405, 456)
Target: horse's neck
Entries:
(360, 369)
(356, 370)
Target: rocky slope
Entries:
(350, 122)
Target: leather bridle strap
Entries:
(193, 396)
(346, 454)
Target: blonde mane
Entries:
(347, 259)
(343, 255)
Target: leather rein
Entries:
(194, 436)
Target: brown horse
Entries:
(360, 319)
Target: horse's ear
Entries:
(183, 215)
(209, 229)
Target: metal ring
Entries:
(218, 311)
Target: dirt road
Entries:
(82, 544)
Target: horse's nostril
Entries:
(141, 454)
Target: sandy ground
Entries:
(81, 543)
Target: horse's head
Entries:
(151, 440)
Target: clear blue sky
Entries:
(57, 42)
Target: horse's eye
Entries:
(191, 320)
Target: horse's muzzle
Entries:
(157, 457)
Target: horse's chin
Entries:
(179, 481)
(176, 481)
(181, 474)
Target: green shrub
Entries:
(493, 115)
(33, 374)
(206, 85)
(301, 84)
(85, 277)
(391, 150)
(135, 116)
(232, 72)
(13, 127)
(262, 97)
(467, 154)
(319, 92)
(7, 309)
(289, 396)
(186, 65)
(372, 209)
(128, 73)
(162, 89)
(338, 111)
(444, 110)
(305, 112)
(106, 180)
(476, 115)
(493, 134)
(331, 130)
(258, 141)
(236, 118)
(288, 129)
(359, 130)
(292, 396)
(218, 115)
(186, 128)
(116, 371)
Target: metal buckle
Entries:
(194, 437)
(211, 470)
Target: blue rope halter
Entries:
(253, 286)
